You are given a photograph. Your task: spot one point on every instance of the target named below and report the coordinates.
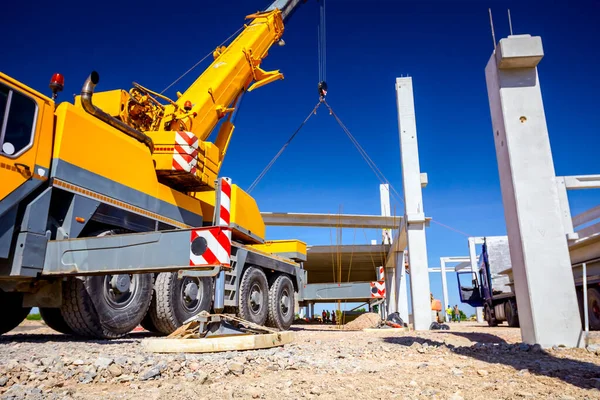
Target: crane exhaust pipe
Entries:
(87, 92)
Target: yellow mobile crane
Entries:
(112, 213)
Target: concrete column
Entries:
(384, 195)
(312, 310)
(390, 290)
(401, 285)
(475, 269)
(414, 213)
(444, 287)
(544, 284)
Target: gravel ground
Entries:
(468, 362)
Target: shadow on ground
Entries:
(495, 350)
(8, 338)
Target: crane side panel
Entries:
(99, 158)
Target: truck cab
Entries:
(26, 134)
(490, 286)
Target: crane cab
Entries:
(26, 131)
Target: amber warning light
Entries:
(57, 83)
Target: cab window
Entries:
(17, 115)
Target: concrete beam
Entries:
(586, 216)
(331, 220)
(328, 292)
(541, 266)
(358, 262)
(434, 270)
(582, 182)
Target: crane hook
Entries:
(322, 90)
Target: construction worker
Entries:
(456, 313)
(328, 316)
(333, 317)
(448, 314)
(324, 315)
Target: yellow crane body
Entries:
(170, 183)
(98, 160)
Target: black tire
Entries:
(147, 323)
(13, 312)
(488, 316)
(54, 319)
(510, 311)
(176, 300)
(593, 295)
(253, 297)
(90, 308)
(281, 303)
(579, 292)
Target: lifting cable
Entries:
(365, 156)
(268, 167)
(203, 58)
(321, 41)
(377, 171)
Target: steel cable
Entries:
(199, 62)
(268, 167)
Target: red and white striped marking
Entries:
(218, 238)
(218, 247)
(185, 152)
(381, 276)
(224, 201)
(378, 289)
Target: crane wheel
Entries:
(488, 316)
(510, 311)
(147, 323)
(54, 319)
(106, 306)
(281, 303)
(13, 312)
(593, 297)
(176, 300)
(254, 296)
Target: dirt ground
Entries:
(469, 361)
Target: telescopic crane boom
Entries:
(211, 99)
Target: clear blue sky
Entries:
(443, 45)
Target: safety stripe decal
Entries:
(378, 289)
(207, 247)
(119, 204)
(225, 202)
(185, 152)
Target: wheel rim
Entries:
(255, 298)
(119, 290)
(191, 294)
(284, 303)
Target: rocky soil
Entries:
(468, 362)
